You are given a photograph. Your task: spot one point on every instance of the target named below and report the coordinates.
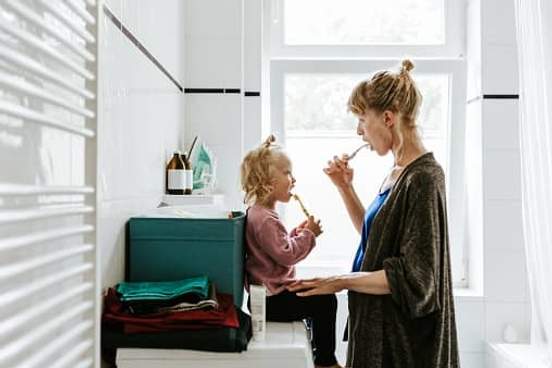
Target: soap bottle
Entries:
(175, 178)
(257, 295)
(189, 173)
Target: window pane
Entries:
(318, 102)
(360, 22)
(309, 154)
(318, 127)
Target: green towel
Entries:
(129, 291)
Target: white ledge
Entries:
(193, 199)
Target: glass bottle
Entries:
(189, 173)
(175, 178)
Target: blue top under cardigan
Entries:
(371, 212)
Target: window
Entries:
(360, 28)
(405, 22)
(315, 63)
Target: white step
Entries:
(286, 345)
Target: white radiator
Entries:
(49, 295)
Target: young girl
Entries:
(272, 252)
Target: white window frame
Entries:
(441, 59)
(455, 69)
(452, 48)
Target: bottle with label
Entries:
(175, 175)
(189, 173)
(257, 295)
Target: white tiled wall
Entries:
(252, 28)
(141, 121)
(494, 146)
(217, 119)
(252, 71)
(223, 50)
(503, 226)
(215, 116)
(500, 130)
(499, 314)
(214, 19)
(501, 170)
(214, 44)
(212, 63)
(158, 25)
(499, 48)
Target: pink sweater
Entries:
(271, 252)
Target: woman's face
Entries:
(376, 130)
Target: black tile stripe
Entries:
(493, 97)
(204, 90)
(212, 90)
(222, 91)
(512, 97)
(119, 25)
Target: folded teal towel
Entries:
(165, 290)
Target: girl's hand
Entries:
(302, 225)
(317, 286)
(313, 225)
(339, 172)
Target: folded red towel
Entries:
(224, 316)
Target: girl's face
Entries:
(376, 130)
(282, 180)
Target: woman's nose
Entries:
(359, 130)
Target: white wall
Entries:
(223, 51)
(142, 119)
(497, 262)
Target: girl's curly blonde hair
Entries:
(256, 171)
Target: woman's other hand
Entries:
(339, 172)
(317, 286)
(313, 225)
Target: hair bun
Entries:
(406, 66)
(269, 140)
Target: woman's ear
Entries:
(389, 118)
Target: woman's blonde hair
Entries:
(256, 170)
(388, 91)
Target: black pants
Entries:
(319, 309)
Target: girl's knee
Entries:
(329, 301)
(333, 301)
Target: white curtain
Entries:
(534, 36)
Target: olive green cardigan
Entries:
(413, 326)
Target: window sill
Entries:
(468, 295)
(460, 295)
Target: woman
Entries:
(401, 311)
